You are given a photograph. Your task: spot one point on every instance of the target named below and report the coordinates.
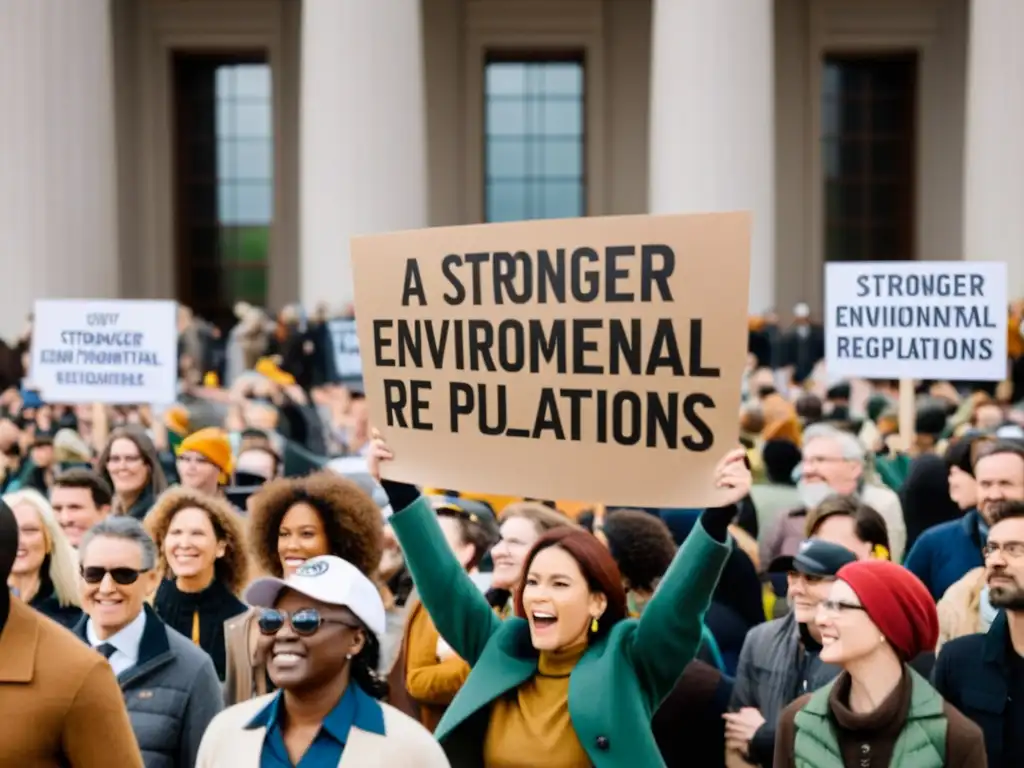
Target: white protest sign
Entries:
(345, 343)
(943, 320)
(89, 351)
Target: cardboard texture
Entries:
(522, 426)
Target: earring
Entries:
(881, 640)
(593, 625)
(348, 656)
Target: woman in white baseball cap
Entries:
(319, 630)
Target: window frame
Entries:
(535, 57)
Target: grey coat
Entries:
(773, 671)
(172, 694)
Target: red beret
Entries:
(897, 602)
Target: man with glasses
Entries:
(59, 702)
(169, 684)
(319, 631)
(983, 675)
(779, 660)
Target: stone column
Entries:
(994, 172)
(58, 171)
(363, 135)
(712, 132)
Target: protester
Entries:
(80, 498)
(170, 686)
(427, 669)
(781, 659)
(131, 466)
(925, 495)
(688, 726)
(945, 553)
(291, 521)
(983, 674)
(877, 617)
(59, 700)
(965, 609)
(204, 565)
(319, 631)
(572, 607)
(43, 574)
(521, 524)
(204, 461)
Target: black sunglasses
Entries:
(305, 622)
(124, 576)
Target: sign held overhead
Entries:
(586, 358)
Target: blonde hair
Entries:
(63, 570)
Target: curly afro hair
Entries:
(352, 522)
(641, 544)
(232, 569)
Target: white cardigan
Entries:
(227, 743)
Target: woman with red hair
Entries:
(570, 680)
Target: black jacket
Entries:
(972, 674)
(171, 693)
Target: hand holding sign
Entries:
(378, 453)
(733, 477)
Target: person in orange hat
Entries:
(204, 460)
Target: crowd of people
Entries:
(227, 581)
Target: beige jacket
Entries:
(227, 743)
(959, 609)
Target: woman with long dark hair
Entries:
(570, 675)
(131, 464)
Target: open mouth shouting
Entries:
(543, 621)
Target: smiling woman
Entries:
(569, 675)
(290, 521)
(204, 564)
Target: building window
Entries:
(534, 138)
(225, 181)
(868, 147)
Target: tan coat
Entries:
(228, 743)
(959, 609)
(244, 676)
(60, 703)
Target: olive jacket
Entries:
(618, 683)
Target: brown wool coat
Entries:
(245, 677)
(60, 703)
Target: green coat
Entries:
(617, 684)
(921, 743)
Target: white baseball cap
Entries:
(330, 580)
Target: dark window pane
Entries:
(534, 139)
(868, 144)
(224, 180)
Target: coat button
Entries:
(603, 743)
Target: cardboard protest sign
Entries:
(942, 320)
(123, 352)
(575, 359)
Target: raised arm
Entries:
(670, 628)
(455, 604)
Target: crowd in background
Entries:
(861, 606)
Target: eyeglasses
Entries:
(1012, 549)
(839, 606)
(94, 574)
(305, 622)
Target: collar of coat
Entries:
(153, 644)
